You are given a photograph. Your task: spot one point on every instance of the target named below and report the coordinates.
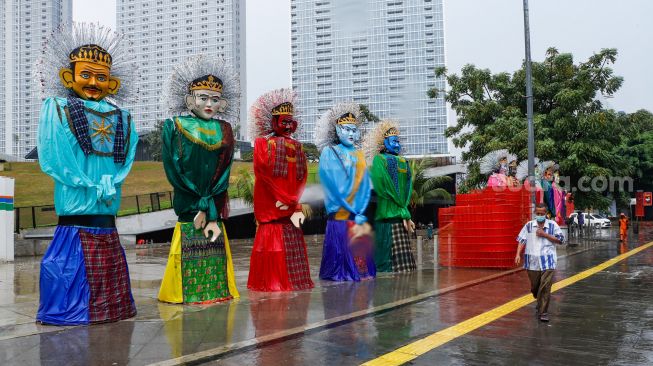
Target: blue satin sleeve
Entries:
(338, 184)
(56, 155)
(83, 184)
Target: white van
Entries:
(596, 220)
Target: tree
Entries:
(368, 119)
(367, 115)
(638, 148)
(571, 125)
(311, 151)
(248, 156)
(154, 142)
(425, 188)
(245, 186)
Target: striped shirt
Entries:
(540, 253)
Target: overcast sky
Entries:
(487, 33)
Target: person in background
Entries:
(537, 240)
(624, 222)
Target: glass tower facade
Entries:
(165, 32)
(24, 27)
(380, 53)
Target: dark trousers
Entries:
(541, 282)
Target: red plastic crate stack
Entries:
(481, 230)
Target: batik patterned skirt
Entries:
(84, 278)
(279, 260)
(393, 252)
(345, 257)
(198, 271)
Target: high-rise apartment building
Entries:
(24, 27)
(381, 53)
(165, 32)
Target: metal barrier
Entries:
(31, 217)
(592, 235)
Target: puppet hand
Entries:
(297, 219)
(200, 220)
(212, 228)
(108, 189)
(409, 225)
(363, 229)
(281, 206)
(98, 192)
(360, 219)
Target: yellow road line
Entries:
(420, 347)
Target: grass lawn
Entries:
(35, 188)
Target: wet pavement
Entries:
(604, 319)
(347, 323)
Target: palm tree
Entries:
(245, 186)
(425, 188)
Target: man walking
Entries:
(539, 237)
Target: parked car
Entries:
(596, 220)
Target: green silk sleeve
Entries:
(172, 160)
(383, 185)
(220, 186)
(409, 191)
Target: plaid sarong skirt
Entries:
(402, 253)
(393, 252)
(279, 260)
(84, 278)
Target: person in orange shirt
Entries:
(623, 227)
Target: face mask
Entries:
(392, 145)
(90, 81)
(348, 134)
(540, 219)
(205, 104)
(284, 125)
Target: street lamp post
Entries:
(529, 105)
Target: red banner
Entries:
(639, 205)
(648, 199)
